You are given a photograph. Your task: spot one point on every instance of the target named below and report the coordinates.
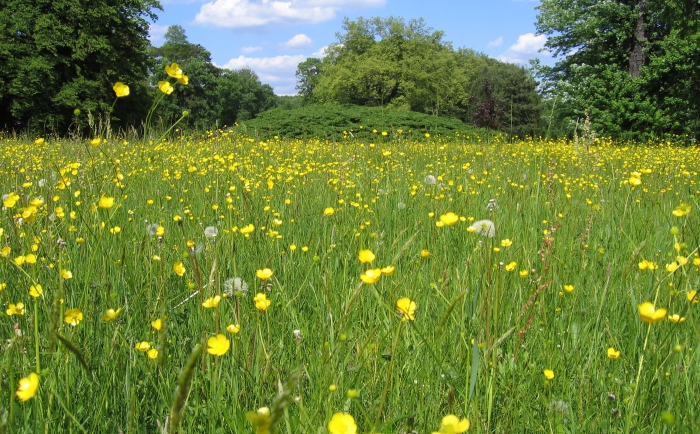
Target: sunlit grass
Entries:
(398, 281)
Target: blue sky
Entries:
(273, 36)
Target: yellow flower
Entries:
(329, 211)
(261, 301)
(174, 70)
(451, 425)
(406, 308)
(212, 302)
(152, 353)
(388, 270)
(218, 345)
(424, 253)
(35, 290)
(682, 210)
(105, 202)
(613, 353)
(165, 87)
(160, 231)
(10, 200)
(449, 219)
(115, 230)
(569, 288)
(179, 268)
(15, 309)
(523, 273)
(233, 328)
(366, 256)
(264, 274)
(5, 252)
(66, 274)
(184, 80)
(96, 141)
(635, 179)
(27, 387)
(20, 260)
(692, 296)
(73, 317)
(143, 346)
(675, 318)
(506, 243)
(371, 276)
(647, 265)
(549, 374)
(120, 89)
(511, 266)
(673, 266)
(39, 141)
(342, 423)
(110, 315)
(157, 324)
(649, 313)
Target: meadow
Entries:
(221, 283)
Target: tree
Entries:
(59, 55)
(633, 65)
(308, 74)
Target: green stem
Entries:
(388, 376)
(36, 336)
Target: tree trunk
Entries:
(638, 57)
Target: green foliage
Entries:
(60, 55)
(409, 67)
(598, 41)
(335, 122)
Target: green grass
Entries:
(482, 335)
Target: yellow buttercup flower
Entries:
(261, 301)
(425, 253)
(511, 266)
(174, 70)
(212, 302)
(157, 324)
(179, 268)
(152, 353)
(452, 425)
(120, 89)
(15, 309)
(27, 387)
(39, 141)
(366, 256)
(649, 313)
(342, 423)
(371, 276)
(675, 318)
(549, 374)
(682, 210)
(184, 80)
(692, 296)
(218, 345)
(264, 274)
(66, 274)
(388, 270)
(73, 317)
(35, 290)
(233, 328)
(449, 218)
(328, 211)
(569, 288)
(613, 353)
(524, 273)
(143, 346)
(506, 243)
(105, 202)
(165, 87)
(110, 315)
(406, 308)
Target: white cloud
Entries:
(298, 41)
(156, 32)
(497, 43)
(321, 53)
(248, 50)
(528, 46)
(255, 13)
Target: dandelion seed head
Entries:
(429, 180)
(484, 227)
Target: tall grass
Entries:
(555, 287)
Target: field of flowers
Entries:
(223, 284)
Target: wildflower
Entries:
(152, 353)
(174, 70)
(105, 202)
(483, 227)
(15, 309)
(635, 179)
(143, 346)
(429, 180)
(96, 141)
(506, 243)
(211, 232)
(329, 211)
(27, 387)
(388, 270)
(5, 252)
(523, 273)
(165, 87)
(39, 141)
(371, 276)
(179, 268)
(233, 328)
(425, 253)
(569, 288)
(260, 420)
(264, 274)
(235, 285)
(649, 313)
(218, 345)
(673, 266)
(511, 266)
(682, 210)
(406, 308)
(66, 274)
(451, 424)
(613, 353)
(676, 319)
(115, 230)
(73, 317)
(549, 374)
(20, 260)
(647, 265)
(110, 315)
(157, 324)
(366, 256)
(9, 200)
(692, 296)
(261, 301)
(342, 423)
(212, 302)
(36, 290)
(449, 219)
(120, 89)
